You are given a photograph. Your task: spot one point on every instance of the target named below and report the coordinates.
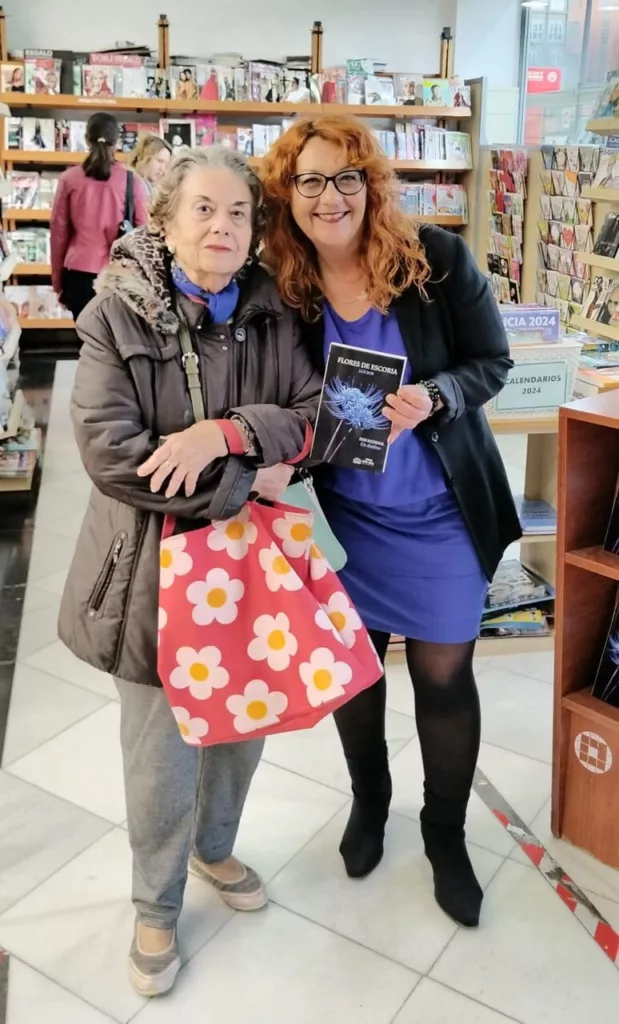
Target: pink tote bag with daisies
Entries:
(256, 634)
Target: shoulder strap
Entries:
(129, 200)
(191, 366)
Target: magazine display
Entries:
(32, 245)
(507, 195)
(351, 430)
(565, 228)
(423, 142)
(602, 300)
(515, 587)
(531, 622)
(37, 302)
(611, 540)
(42, 73)
(179, 134)
(606, 685)
(607, 242)
(12, 77)
(429, 199)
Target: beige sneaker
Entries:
(152, 973)
(247, 893)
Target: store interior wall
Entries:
(405, 33)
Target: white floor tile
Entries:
(50, 552)
(609, 909)
(274, 968)
(432, 1003)
(77, 483)
(283, 812)
(400, 689)
(393, 912)
(317, 753)
(536, 666)
(82, 765)
(76, 928)
(482, 827)
(36, 598)
(588, 873)
(523, 782)
(38, 628)
(41, 707)
(531, 958)
(59, 661)
(516, 713)
(55, 502)
(54, 583)
(39, 834)
(34, 999)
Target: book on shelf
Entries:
(607, 242)
(611, 539)
(602, 301)
(350, 429)
(607, 174)
(514, 587)
(600, 359)
(32, 245)
(536, 516)
(528, 622)
(12, 77)
(17, 465)
(36, 302)
(429, 199)
(179, 133)
(436, 92)
(42, 72)
(606, 683)
(608, 99)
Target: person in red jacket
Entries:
(88, 210)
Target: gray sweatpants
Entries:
(177, 796)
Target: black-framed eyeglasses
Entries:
(312, 184)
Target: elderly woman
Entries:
(424, 537)
(192, 276)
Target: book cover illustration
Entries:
(39, 133)
(611, 541)
(43, 76)
(514, 587)
(436, 92)
(536, 516)
(179, 134)
(98, 81)
(607, 242)
(407, 88)
(12, 78)
(379, 91)
(184, 83)
(606, 685)
(351, 430)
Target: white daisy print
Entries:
(295, 533)
(233, 535)
(200, 672)
(162, 619)
(215, 598)
(173, 560)
(192, 729)
(323, 621)
(278, 570)
(319, 565)
(273, 643)
(324, 677)
(343, 617)
(257, 708)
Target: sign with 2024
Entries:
(534, 386)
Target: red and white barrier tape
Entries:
(574, 898)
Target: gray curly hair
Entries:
(165, 201)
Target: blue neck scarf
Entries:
(221, 305)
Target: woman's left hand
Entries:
(407, 409)
(183, 456)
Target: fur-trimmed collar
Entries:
(138, 272)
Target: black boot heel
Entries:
(362, 844)
(456, 888)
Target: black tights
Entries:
(448, 723)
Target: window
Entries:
(556, 30)
(536, 30)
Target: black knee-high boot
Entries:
(448, 723)
(361, 725)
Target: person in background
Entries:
(88, 210)
(424, 537)
(150, 159)
(194, 269)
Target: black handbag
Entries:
(127, 224)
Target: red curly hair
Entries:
(391, 251)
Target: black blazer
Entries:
(457, 340)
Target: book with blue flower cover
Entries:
(606, 685)
(351, 430)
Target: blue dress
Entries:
(412, 568)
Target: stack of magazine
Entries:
(517, 604)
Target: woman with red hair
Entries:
(424, 537)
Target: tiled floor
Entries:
(327, 948)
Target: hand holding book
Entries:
(407, 409)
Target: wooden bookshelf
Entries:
(28, 323)
(525, 425)
(600, 195)
(32, 270)
(608, 263)
(593, 327)
(444, 219)
(604, 125)
(174, 107)
(585, 803)
(43, 156)
(30, 215)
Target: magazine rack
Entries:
(24, 104)
(585, 794)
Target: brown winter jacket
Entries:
(130, 390)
